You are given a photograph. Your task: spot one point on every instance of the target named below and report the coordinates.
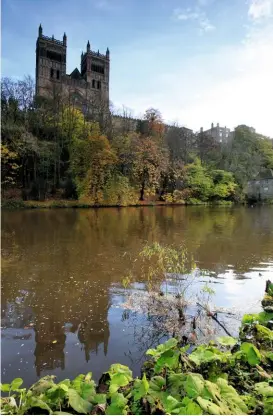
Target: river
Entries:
(62, 273)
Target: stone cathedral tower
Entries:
(88, 88)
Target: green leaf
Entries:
(120, 369)
(117, 406)
(88, 376)
(227, 341)
(191, 408)
(78, 403)
(43, 384)
(171, 405)
(5, 387)
(157, 383)
(168, 345)
(117, 381)
(140, 388)
(231, 397)
(205, 354)
(194, 385)
(99, 399)
(36, 402)
(264, 389)
(252, 354)
(88, 390)
(176, 383)
(262, 318)
(209, 407)
(16, 383)
(77, 382)
(66, 381)
(63, 386)
(268, 406)
(263, 333)
(169, 359)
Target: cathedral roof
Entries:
(76, 74)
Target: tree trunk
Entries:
(142, 191)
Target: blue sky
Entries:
(197, 61)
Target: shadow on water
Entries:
(62, 272)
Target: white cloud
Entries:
(194, 15)
(260, 9)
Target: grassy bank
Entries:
(11, 204)
(227, 377)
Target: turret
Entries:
(88, 47)
(40, 30)
(107, 53)
(64, 39)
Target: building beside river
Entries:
(261, 188)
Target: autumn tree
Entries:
(150, 162)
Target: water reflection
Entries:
(62, 273)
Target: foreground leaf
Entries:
(77, 403)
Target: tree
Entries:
(9, 166)
(150, 162)
(91, 159)
(198, 180)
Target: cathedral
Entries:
(87, 88)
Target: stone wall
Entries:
(260, 189)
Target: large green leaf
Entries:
(5, 387)
(157, 383)
(176, 383)
(168, 345)
(268, 406)
(99, 399)
(140, 388)
(169, 359)
(77, 382)
(264, 389)
(120, 369)
(36, 402)
(252, 354)
(231, 397)
(263, 333)
(16, 383)
(206, 354)
(209, 407)
(78, 403)
(262, 318)
(194, 385)
(190, 407)
(120, 376)
(171, 405)
(117, 406)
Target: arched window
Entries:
(99, 85)
(93, 83)
(51, 73)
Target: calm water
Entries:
(62, 272)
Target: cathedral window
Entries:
(51, 73)
(93, 83)
(58, 74)
(99, 85)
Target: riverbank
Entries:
(62, 203)
(227, 376)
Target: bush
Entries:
(13, 204)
